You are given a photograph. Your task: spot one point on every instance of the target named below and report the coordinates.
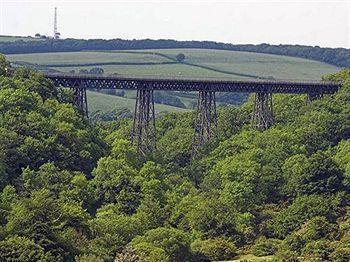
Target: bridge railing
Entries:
(186, 78)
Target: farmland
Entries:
(198, 63)
(103, 103)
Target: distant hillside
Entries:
(99, 102)
(198, 63)
(14, 38)
(335, 56)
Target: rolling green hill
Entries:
(67, 58)
(199, 63)
(102, 102)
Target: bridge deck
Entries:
(186, 84)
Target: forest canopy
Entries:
(73, 190)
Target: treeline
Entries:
(336, 56)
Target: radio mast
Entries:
(56, 34)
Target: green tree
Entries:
(96, 71)
(151, 253)
(317, 174)
(342, 158)
(214, 249)
(174, 242)
(175, 146)
(22, 249)
(113, 181)
(180, 57)
(45, 220)
(111, 231)
(36, 128)
(237, 195)
(302, 209)
(4, 66)
(265, 246)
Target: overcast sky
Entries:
(323, 23)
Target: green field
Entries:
(102, 102)
(66, 58)
(199, 63)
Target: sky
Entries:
(308, 22)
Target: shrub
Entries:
(319, 250)
(286, 256)
(293, 242)
(317, 228)
(180, 57)
(345, 240)
(174, 242)
(128, 254)
(265, 247)
(317, 174)
(303, 209)
(149, 253)
(88, 258)
(22, 249)
(96, 71)
(341, 254)
(214, 249)
(341, 249)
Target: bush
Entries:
(345, 240)
(96, 71)
(128, 254)
(286, 256)
(180, 57)
(22, 249)
(317, 251)
(302, 209)
(88, 258)
(214, 249)
(342, 249)
(83, 71)
(149, 253)
(265, 247)
(174, 242)
(312, 240)
(341, 254)
(317, 228)
(317, 174)
(4, 66)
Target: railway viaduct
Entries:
(143, 131)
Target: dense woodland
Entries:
(73, 190)
(336, 56)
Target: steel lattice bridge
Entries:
(143, 133)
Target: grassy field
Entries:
(102, 102)
(199, 63)
(252, 258)
(66, 58)
(178, 70)
(262, 65)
